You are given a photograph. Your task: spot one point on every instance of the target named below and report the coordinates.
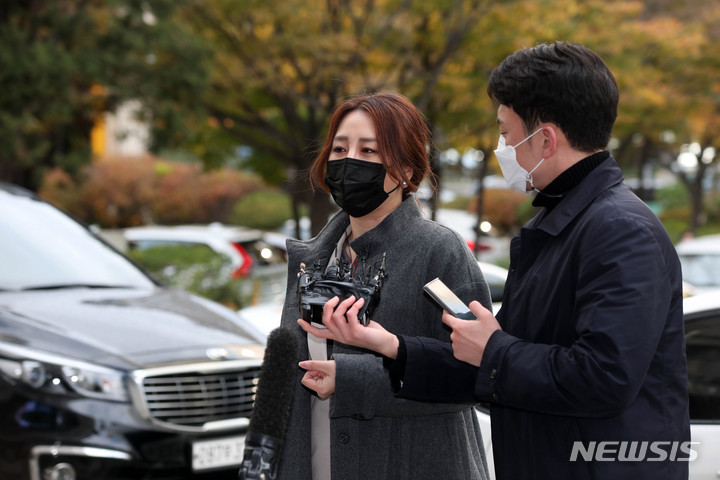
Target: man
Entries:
(585, 365)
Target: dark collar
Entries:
(551, 195)
(599, 179)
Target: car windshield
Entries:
(701, 270)
(42, 248)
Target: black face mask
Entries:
(357, 186)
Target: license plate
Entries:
(218, 453)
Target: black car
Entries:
(104, 372)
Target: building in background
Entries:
(120, 133)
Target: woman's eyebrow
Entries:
(343, 138)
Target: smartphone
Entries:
(448, 300)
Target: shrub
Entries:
(221, 189)
(501, 208)
(177, 194)
(673, 196)
(60, 189)
(526, 210)
(460, 203)
(117, 193)
(264, 210)
(675, 228)
(123, 192)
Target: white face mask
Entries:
(515, 175)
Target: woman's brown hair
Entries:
(402, 133)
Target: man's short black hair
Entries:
(562, 83)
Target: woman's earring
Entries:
(404, 184)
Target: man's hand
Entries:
(343, 326)
(469, 337)
(320, 376)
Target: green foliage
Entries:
(525, 211)
(709, 229)
(64, 63)
(459, 203)
(676, 212)
(196, 269)
(214, 74)
(157, 259)
(673, 196)
(265, 210)
(676, 222)
(281, 68)
(712, 207)
(673, 202)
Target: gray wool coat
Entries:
(374, 434)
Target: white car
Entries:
(700, 259)
(702, 335)
(245, 247)
(251, 253)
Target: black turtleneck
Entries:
(551, 195)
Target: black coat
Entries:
(592, 346)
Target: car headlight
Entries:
(55, 374)
(94, 381)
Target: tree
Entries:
(702, 84)
(687, 125)
(281, 68)
(65, 62)
(663, 55)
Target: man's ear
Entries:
(550, 140)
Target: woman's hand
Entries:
(320, 376)
(341, 320)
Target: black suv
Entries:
(105, 373)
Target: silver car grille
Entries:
(194, 399)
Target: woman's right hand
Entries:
(341, 320)
(320, 376)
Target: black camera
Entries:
(317, 286)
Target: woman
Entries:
(373, 159)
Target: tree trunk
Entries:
(696, 209)
(642, 161)
(482, 171)
(435, 192)
(319, 211)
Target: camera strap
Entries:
(319, 349)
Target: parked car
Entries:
(700, 259)
(246, 248)
(492, 248)
(495, 276)
(249, 255)
(702, 336)
(105, 373)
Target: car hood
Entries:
(125, 328)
